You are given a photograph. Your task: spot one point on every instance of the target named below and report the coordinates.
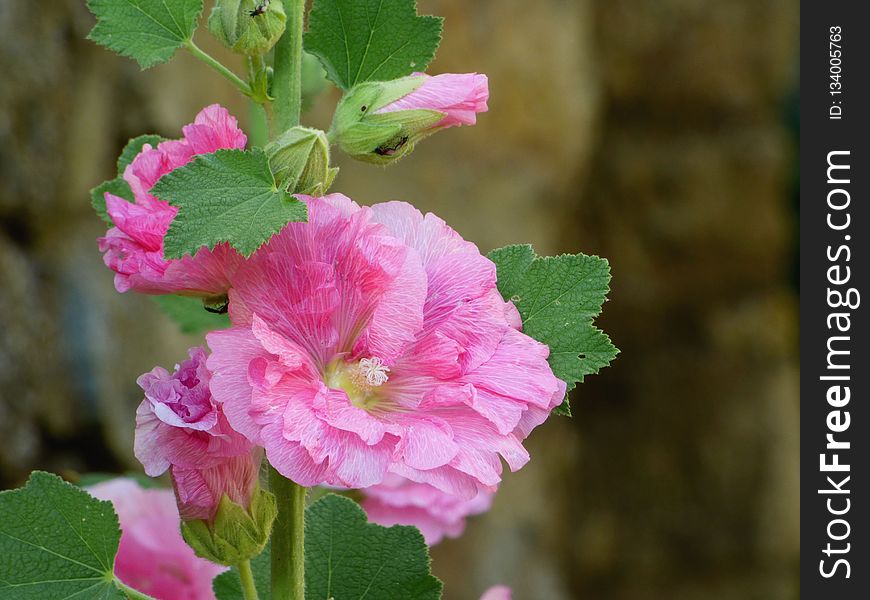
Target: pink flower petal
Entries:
(459, 96)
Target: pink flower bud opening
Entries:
(459, 95)
(180, 427)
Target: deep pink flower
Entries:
(133, 249)
(179, 426)
(399, 501)
(152, 556)
(498, 592)
(459, 95)
(370, 340)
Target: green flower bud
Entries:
(235, 535)
(300, 161)
(381, 138)
(249, 27)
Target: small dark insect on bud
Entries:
(219, 304)
(390, 148)
(260, 8)
(248, 27)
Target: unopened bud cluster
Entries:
(248, 27)
(299, 159)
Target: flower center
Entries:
(360, 380)
(371, 372)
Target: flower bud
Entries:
(380, 122)
(237, 533)
(226, 516)
(249, 27)
(299, 158)
(214, 469)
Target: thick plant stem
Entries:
(287, 80)
(249, 590)
(288, 539)
(288, 534)
(217, 66)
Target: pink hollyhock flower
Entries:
(460, 96)
(374, 340)
(399, 501)
(498, 592)
(133, 249)
(180, 427)
(152, 556)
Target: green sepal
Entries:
(366, 98)
(248, 27)
(299, 159)
(235, 535)
(381, 138)
(388, 137)
(260, 83)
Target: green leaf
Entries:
(228, 586)
(148, 31)
(134, 147)
(190, 315)
(116, 186)
(347, 558)
(56, 541)
(228, 196)
(558, 297)
(371, 40)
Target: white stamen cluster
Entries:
(374, 371)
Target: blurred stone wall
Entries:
(689, 445)
(647, 132)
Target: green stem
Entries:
(131, 593)
(249, 590)
(287, 80)
(288, 539)
(217, 66)
(258, 65)
(258, 130)
(288, 534)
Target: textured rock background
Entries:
(652, 133)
